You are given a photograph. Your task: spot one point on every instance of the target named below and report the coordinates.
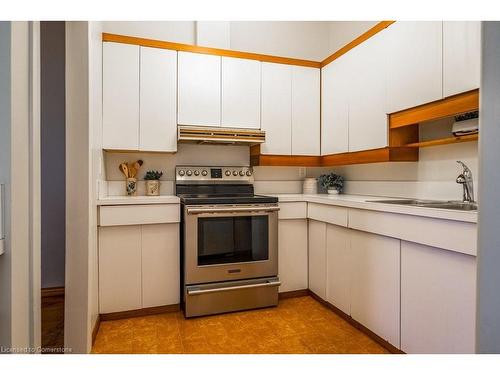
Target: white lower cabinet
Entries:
(120, 269)
(138, 266)
(317, 258)
(338, 267)
(160, 265)
(438, 294)
(375, 287)
(293, 255)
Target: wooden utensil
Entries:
(124, 169)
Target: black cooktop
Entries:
(220, 194)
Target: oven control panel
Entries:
(214, 174)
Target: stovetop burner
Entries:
(217, 185)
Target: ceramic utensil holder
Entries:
(131, 186)
(152, 187)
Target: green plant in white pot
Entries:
(332, 182)
(153, 182)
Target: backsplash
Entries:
(433, 177)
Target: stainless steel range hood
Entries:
(217, 135)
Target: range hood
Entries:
(218, 135)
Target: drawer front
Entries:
(328, 214)
(444, 234)
(138, 214)
(293, 210)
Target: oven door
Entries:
(230, 242)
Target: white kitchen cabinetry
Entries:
(120, 101)
(138, 266)
(335, 92)
(293, 254)
(160, 265)
(438, 299)
(120, 269)
(305, 111)
(375, 288)
(277, 108)
(240, 93)
(368, 127)
(317, 258)
(338, 267)
(415, 72)
(199, 89)
(461, 56)
(158, 100)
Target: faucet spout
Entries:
(465, 179)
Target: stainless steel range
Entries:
(229, 241)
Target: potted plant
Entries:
(333, 182)
(153, 182)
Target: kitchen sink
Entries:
(448, 205)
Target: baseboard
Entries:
(387, 345)
(140, 312)
(293, 294)
(52, 292)
(96, 329)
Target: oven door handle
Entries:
(229, 288)
(191, 211)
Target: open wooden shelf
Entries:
(447, 107)
(445, 141)
(348, 158)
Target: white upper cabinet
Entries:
(120, 114)
(367, 103)
(415, 71)
(335, 88)
(199, 89)
(158, 100)
(305, 111)
(277, 108)
(461, 56)
(240, 93)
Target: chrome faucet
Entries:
(465, 179)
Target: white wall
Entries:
(16, 277)
(172, 31)
(488, 275)
(343, 32)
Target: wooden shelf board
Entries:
(445, 141)
(361, 157)
(447, 107)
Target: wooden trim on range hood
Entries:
(218, 135)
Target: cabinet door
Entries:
(375, 299)
(317, 258)
(367, 103)
(120, 268)
(415, 72)
(120, 96)
(240, 93)
(335, 89)
(461, 56)
(293, 254)
(305, 111)
(199, 80)
(438, 300)
(277, 108)
(338, 267)
(160, 265)
(158, 100)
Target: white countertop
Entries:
(115, 200)
(360, 201)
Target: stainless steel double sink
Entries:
(448, 205)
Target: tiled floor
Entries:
(297, 325)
